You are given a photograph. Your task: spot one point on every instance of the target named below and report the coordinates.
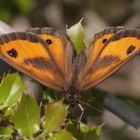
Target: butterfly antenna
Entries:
(91, 107)
(93, 99)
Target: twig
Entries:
(122, 110)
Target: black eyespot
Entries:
(104, 40)
(12, 53)
(130, 49)
(49, 41)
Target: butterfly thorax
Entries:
(72, 95)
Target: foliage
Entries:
(76, 35)
(24, 119)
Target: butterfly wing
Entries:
(94, 49)
(114, 53)
(58, 42)
(29, 54)
(99, 40)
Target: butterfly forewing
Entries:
(118, 50)
(60, 49)
(29, 54)
(91, 53)
(99, 41)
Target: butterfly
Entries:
(47, 56)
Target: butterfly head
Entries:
(72, 96)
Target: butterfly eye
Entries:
(130, 49)
(12, 53)
(49, 41)
(104, 40)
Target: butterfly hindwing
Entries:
(117, 51)
(29, 54)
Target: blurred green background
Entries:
(97, 15)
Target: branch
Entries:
(122, 110)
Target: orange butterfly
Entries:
(47, 56)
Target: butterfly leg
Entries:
(81, 115)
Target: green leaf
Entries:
(8, 111)
(99, 129)
(91, 132)
(27, 116)
(86, 132)
(55, 114)
(11, 89)
(74, 131)
(5, 133)
(63, 135)
(76, 35)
